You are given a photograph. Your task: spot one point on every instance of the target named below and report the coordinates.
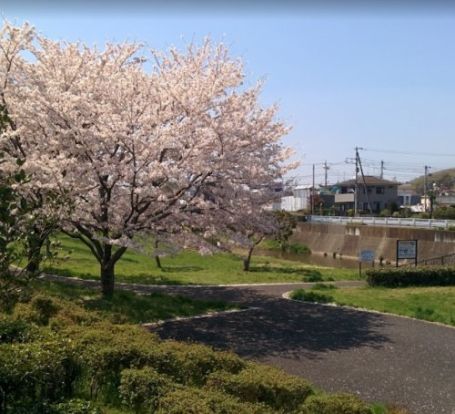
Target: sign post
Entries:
(365, 256)
(407, 249)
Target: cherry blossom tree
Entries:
(133, 148)
(42, 205)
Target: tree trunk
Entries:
(157, 257)
(247, 260)
(158, 262)
(107, 280)
(34, 245)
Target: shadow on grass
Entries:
(181, 269)
(308, 275)
(145, 278)
(128, 307)
(286, 270)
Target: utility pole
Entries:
(425, 194)
(382, 170)
(312, 195)
(360, 168)
(356, 187)
(326, 168)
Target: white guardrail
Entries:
(385, 221)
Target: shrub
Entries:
(192, 363)
(422, 276)
(140, 389)
(314, 276)
(311, 296)
(44, 307)
(40, 309)
(298, 248)
(36, 373)
(323, 286)
(335, 404)
(12, 330)
(263, 384)
(186, 400)
(106, 349)
(75, 406)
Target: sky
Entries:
(379, 78)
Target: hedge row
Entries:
(412, 276)
(46, 359)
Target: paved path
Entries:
(379, 357)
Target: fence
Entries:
(386, 222)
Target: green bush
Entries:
(39, 310)
(412, 276)
(311, 296)
(36, 373)
(75, 406)
(105, 350)
(44, 306)
(263, 384)
(192, 363)
(298, 248)
(334, 404)
(323, 286)
(314, 276)
(13, 330)
(140, 389)
(186, 400)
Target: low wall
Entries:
(348, 240)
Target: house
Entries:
(375, 192)
(407, 196)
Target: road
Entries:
(378, 357)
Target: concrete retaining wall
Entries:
(350, 239)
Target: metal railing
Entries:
(386, 221)
(448, 259)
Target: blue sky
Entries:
(382, 81)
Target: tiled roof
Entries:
(369, 180)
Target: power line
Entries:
(432, 154)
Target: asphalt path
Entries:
(378, 357)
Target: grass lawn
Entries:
(189, 267)
(128, 307)
(435, 304)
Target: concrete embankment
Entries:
(349, 240)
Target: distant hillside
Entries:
(444, 179)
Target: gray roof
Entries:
(369, 180)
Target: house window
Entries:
(379, 190)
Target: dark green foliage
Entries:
(313, 276)
(196, 401)
(36, 373)
(323, 286)
(297, 248)
(311, 296)
(286, 225)
(12, 330)
(44, 307)
(335, 404)
(412, 276)
(262, 384)
(192, 364)
(74, 406)
(444, 213)
(140, 389)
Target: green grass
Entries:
(128, 307)
(189, 267)
(436, 304)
